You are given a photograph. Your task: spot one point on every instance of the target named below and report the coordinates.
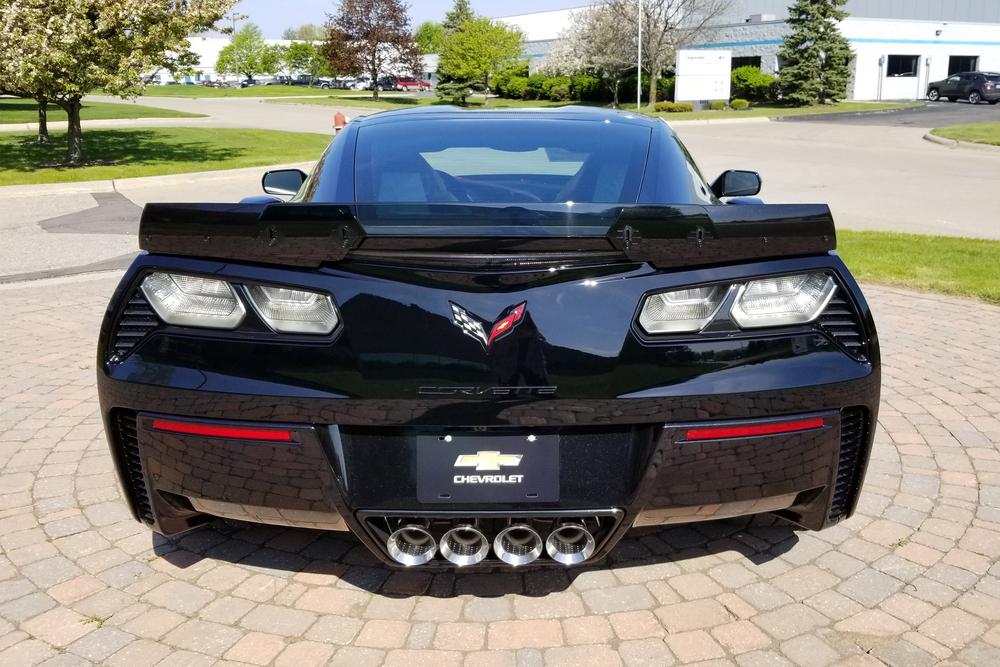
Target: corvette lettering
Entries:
(486, 391)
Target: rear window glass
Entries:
(490, 160)
(995, 78)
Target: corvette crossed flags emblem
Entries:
(473, 327)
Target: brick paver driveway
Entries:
(913, 579)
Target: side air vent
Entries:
(853, 434)
(128, 444)
(137, 320)
(841, 322)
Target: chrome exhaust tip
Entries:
(518, 545)
(411, 545)
(464, 545)
(569, 544)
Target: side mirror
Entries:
(737, 183)
(283, 181)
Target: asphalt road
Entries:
(934, 114)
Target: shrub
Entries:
(453, 92)
(739, 104)
(665, 88)
(535, 89)
(516, 87)
(556, 88)
(674, 107)
(751, 84)
(717, 105)
(586, 87)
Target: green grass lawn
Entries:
(126, 153)
(17, 110)
(502, 103)
(979, 133)
(176, 90)
(965, 267)
(775, 110)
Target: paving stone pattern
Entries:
(912, 579)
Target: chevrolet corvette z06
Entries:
(490, 339)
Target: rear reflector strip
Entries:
(749, 430)
(234, 432)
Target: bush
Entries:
(751, 84)
(717, 105)
(739, 104)
(674, 107)
(515, 87)
(453, 92)
(556, 88)
(586, 87)
(665, 88)
(535, 89)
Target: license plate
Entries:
(487, 468)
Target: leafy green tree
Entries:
(478, 50)
(429, 37)
(460, 12)
(817, 56)
(307, 58)
(309, 32)
(371, 37)
(247, 54)
(58, 50)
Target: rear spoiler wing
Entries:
(309, 235)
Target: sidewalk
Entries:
(61, 125)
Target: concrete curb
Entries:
(954, 143)
(111, 123)
(87, 187)
(719, 121)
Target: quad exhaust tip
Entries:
(464, 545)
(569, 544)
(518, 545)
(411, 545)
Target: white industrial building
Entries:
(899, 45)
(207, 49)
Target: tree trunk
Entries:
(43, 120)
(614, 93)
(654, 78)
(74, 138)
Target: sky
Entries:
(273, 17)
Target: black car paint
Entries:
(398, 368)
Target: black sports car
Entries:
(478, 338)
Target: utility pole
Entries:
(638, 65)
(233, 17)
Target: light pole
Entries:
(638, 65)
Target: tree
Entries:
(308, 32)
(306, 58)
(59, 50)
(593, 43)
(478, 50)
(666, 26)
(429, 37)
(460, 12)
(247, 54)
(373, 38)
(817, 56)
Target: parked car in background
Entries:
(248, 83)
(407, 85)
(975, 87)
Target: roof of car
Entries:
(597, 114)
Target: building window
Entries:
(746, 61)
(958, 64)
(902, 65)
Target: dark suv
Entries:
(972, 86)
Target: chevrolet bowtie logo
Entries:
(487, 460)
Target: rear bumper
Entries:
(626, 458)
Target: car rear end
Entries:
(472, 384)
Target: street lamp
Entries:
(638, 65)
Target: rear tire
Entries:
(933, 95)
(975, 97)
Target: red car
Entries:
(412, 84)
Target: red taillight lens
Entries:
(750, 430)
(232, 432)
